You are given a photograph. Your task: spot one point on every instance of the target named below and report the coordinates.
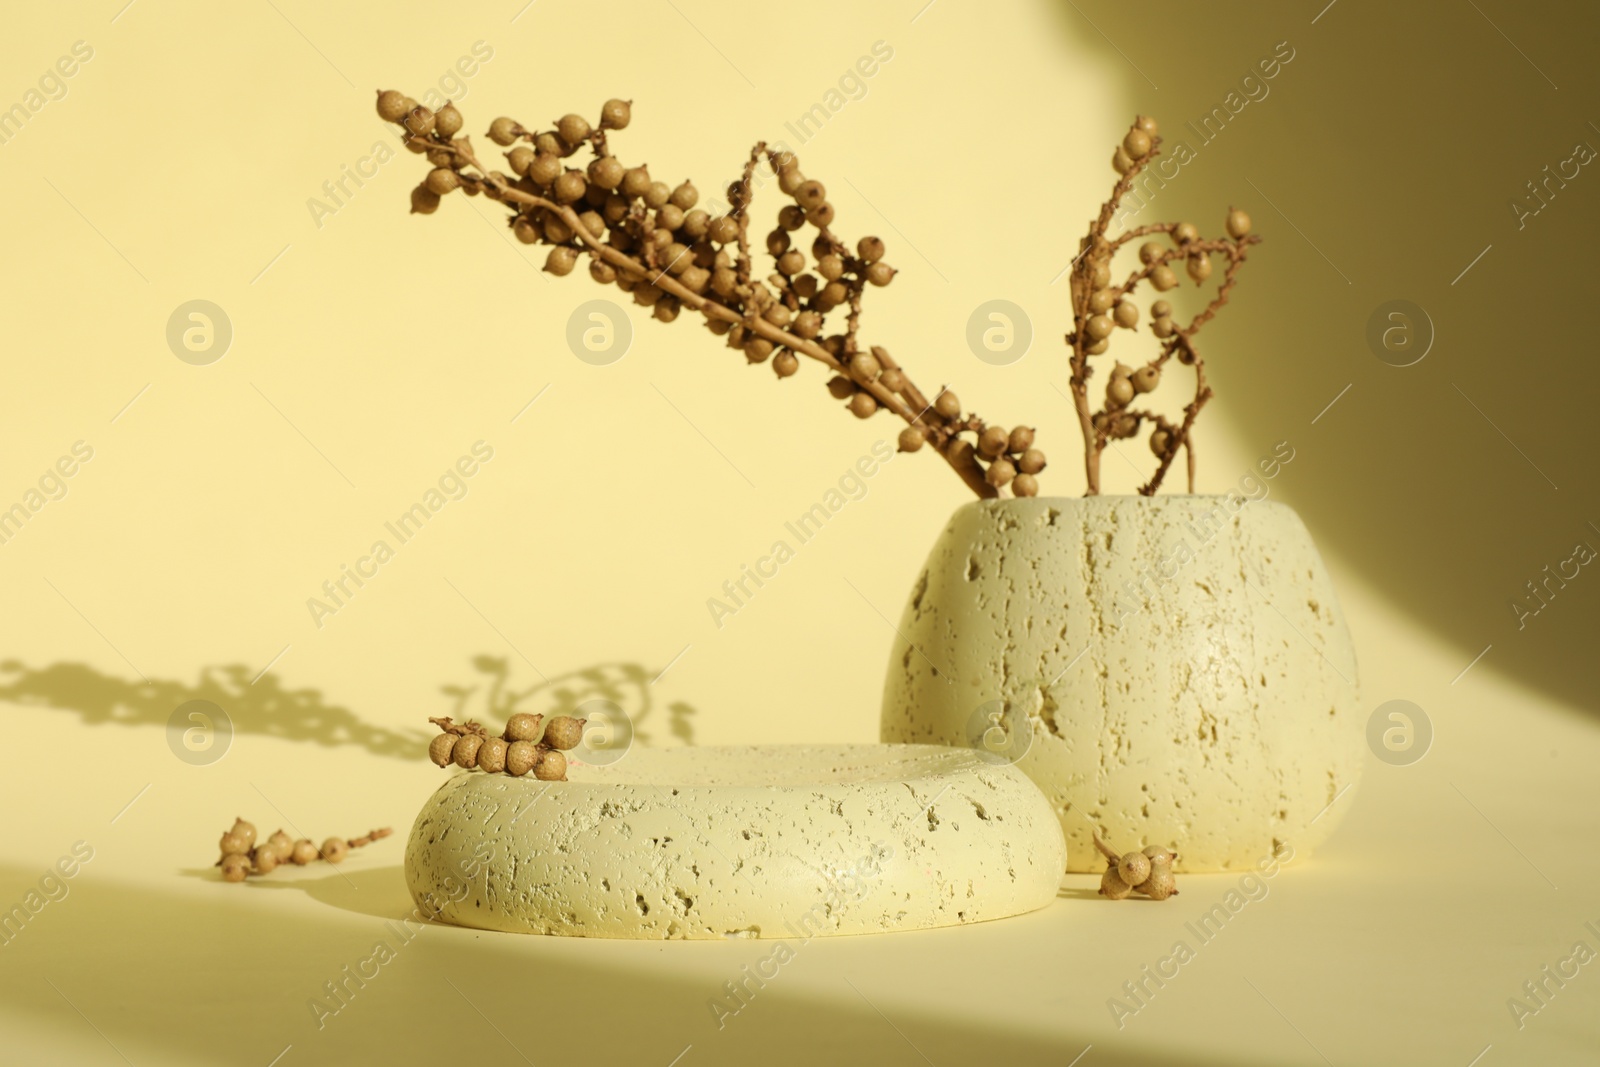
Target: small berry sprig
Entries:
(521, 748)
(241, 855)
(650, 240)
(1100, 308)
(1148, 872)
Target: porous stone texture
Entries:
(1174, 670)
(740, 841)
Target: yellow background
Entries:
(373, 350)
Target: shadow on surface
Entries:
(261, 705)
(224, 973)
(1436, 481)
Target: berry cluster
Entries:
(1100, 308)
(1148, 872)
(242, 856)
(653, 241)
(521, 748)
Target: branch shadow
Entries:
(264, 706)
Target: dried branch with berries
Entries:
(1148, 873)
(242, 855)
(650, 240)
(1100, 308)
(527, 744)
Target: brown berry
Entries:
(419, 120)
(552, 767)
(1025, 485)
(235, 866)
(1146, 378)
(993, 441)
(523, 727)
(605, 172)
(1147, 124)
(841, 388)
(1163, 278)
(281, 844)
(1021, 439)
(1149, 252)
(724, 230)
(1162, 327)
(571, 186)
(865, 367)
(492, 755)
(1160, 884)
(1031, 461)
(334, 850)
(1126, 314)
(520, 158)
(573, 129)
(447, 121)
(657, 195)
(880, 273)
(947, 404)
(564, 732)
(466, 748)
(504, 131)
(757, 349)
(265, 859)
(246, 830)
(1159, 855)
(1159, 440)
(442, 180)
(441, 750)
(615, 114)
(635, 182)
(863, 405)
(785, 364)
(1238, 223)
(1000, 473)
(233, 844)
(1199, 267)
(393, 105)
(1121, 162)
(1112, 885)
(685, 196)
(810, 194)
(520, 757)
(543, 169)
(1098, 327)
(870, 249)
(1137, 143)
(561, 260)
(1184, 232)
(1134, 867)
(1119, 391)
(303, 852)
(911, 439)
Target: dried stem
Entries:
(963, 462)
(1093, 296)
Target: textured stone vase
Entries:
(1172, 670)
